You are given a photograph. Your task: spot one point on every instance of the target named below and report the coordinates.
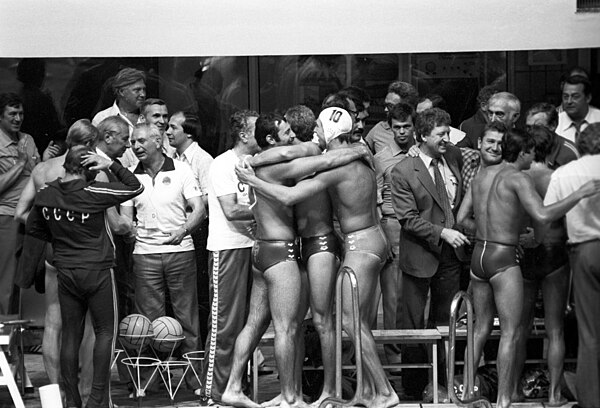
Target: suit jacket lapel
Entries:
(454, 168)
(425, 178)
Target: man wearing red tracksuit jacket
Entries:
(70, 213)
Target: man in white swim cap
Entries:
(352, 189)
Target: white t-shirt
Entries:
(583, 220)
(161, 207)
(222, 233)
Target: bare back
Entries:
(504, 214)
(541, 174)
(48, 171)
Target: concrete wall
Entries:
(277, 27)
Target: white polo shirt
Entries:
(161, 207)
(583, 220)
(222, 233)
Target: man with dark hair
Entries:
(426, 193)
(381, 135)
(70, 212)
(562, 150)
(401, 122)
(276, 284)
(436, 101)
(302, 121)
(583, 228)
(18, 157)
(352, 188)
(474, 126)
(183, 133)
(129, 88)
(577, 112)
(545, 267)
(359, 102)
(500, 198)
(230, 243)
(154, 111)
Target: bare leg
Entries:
(529, 296)
(508, 293)
(283, 290)
(555, 290)
(257, 323)
(367, 267)
(484, 310)
(300, 349)
(52, 327)
(322, 268)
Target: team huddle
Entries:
(417, 209)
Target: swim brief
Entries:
(322, 243)
(491, 258)
(266, 254)
(370, 240)
(539, 262)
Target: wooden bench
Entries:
(538, 332)
(430, 337)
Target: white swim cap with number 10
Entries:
(336, 122)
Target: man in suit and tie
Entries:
(426, 193)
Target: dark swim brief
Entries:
(370, 240)
(265, 254)
(322, 243)
(491, 258)
(539, 262)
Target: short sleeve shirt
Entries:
(222, 233)
(8, 158)
(161, 208)
(200, 161)
(583, 220)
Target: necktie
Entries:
(441, 189)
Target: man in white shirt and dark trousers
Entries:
(230, 244)
(163, 256)
(583, 228)
(183, 132)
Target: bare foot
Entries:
(323, 396)
(557, 401)
(275, 402)
(298, 404)
(385, 401)
(237, 399)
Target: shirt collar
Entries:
(427, 160)
(187, 153)
(168, 165)
(396, 150)
(6, 140)
(569, 122)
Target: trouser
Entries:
(175, 272)
(200, 236)
(391, 286)
(11, 233)
(230, 282)
(585, 262)
(444, 285)
(81, 289)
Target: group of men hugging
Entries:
(416, 208)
